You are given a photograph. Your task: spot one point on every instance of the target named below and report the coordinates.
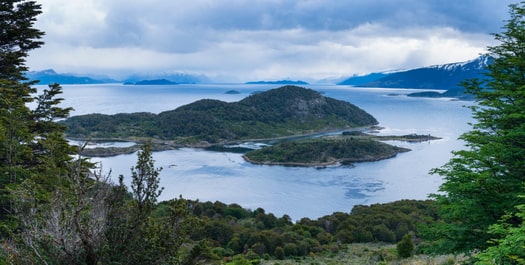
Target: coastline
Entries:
(164, 145)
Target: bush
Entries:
(405, 247)
(279, 253)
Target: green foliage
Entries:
(139, 231)
(323, 151)
(508, 246)
(284, 111)
(17, 36)
(145, 182)
(405, 247)
(482, 183)
(264, 234)
(279, 253)
(32, 144)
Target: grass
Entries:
(366, 254)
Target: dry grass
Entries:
(367, 254)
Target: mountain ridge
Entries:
(435, 77)
(50, 76)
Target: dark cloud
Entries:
(189, 25)
(272, 36)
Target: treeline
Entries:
(231, 230)
(284, 111)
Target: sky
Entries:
(248, 40)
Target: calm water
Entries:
(298, 192)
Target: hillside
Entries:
(358, 80)
(443, 77)
(284, 111)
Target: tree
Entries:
(65, 226)
(405, 247)
(482, 183)
(508, 246)
(145, 181)
(134, 235)
(17, 36)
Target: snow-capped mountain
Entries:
(446, 76)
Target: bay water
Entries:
(296, 191)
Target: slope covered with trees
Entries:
(481, 203)
(285, 111)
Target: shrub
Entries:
(405, 247)
(279, 253)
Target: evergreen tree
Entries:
(482, 183)
(17, 36)
(405, 247)
(145, 181)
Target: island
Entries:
(232, 92)
(344, 149)
(279, 112)
(278, 82)
(152, 82)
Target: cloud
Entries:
(262, 39)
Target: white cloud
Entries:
(261, 39)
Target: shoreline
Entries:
(164, 145)
(158, 145)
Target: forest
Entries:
(56, 208)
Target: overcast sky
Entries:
(236, 40)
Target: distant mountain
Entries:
(444, 77)
(152, 82)
(181, 78)
(49, 76)
(278, 82)
(358, 80)
(284, 111)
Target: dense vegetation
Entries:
(481, 201)
(231, 230)
(324, 151)
(284, 111)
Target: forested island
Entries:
(280, 112)
(343, 149)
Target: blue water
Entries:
(298, 192)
